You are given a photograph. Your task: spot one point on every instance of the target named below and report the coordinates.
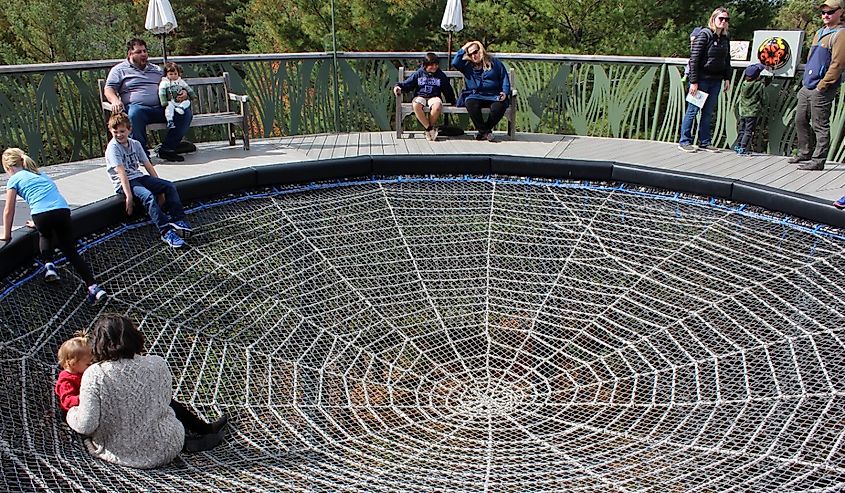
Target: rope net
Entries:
(460, 335)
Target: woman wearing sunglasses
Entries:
(710, 64)
(487, 86)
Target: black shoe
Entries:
(814, 165)
(479, 136)
(220, 424)
(201, 443)
(169, 155)
(185, 147)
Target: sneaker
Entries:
(172, 239)
(95, 294)
(797, 159)
(170, 124)
(489, 136)
(814, 165)
(687, 148)
(840, 204)
(179, 110)
(182, 228)
(479, 136)
(434, 133)
(708, 148)
(50, 274)
(428, 135)
(169, 155)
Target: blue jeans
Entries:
(712, 88)
(146, 188)
(140, 115)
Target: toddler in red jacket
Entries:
(74, 357)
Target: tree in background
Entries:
(208, 27)
(802, 15)
(65, 30)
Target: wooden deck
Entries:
(86, 181)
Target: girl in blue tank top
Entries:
(50, 216)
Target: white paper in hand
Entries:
(699, 98)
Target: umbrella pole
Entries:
(164, 47)
(450, 49)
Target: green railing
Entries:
(53, 109)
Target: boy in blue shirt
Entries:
(429, 83)
(124, 158)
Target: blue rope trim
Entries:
(710, 202)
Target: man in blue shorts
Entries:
(132, 86)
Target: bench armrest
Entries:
(106, 106)
(514, 93)
(238, 97)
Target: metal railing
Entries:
(53, 111)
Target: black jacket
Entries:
(710, 57)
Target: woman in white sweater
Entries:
(125, 403)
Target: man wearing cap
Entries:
(822, 77)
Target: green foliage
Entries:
(64, 30)
(209, 27)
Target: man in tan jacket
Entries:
(822, 77)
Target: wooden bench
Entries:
(211, 106)
(404, 109)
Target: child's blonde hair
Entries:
(118, 120)
(73, 349)
(14, 157)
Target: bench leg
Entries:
(231, 129)
(246, 137)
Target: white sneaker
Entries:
(179, 110)
(428, 135)
(50, 274)
(434, 133)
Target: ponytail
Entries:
(14, 157)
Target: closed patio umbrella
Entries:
(160, 21)
(453, 21)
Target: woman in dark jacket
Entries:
(710, 64)
(487, 86)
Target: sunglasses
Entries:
(829, 12)
(723, 19)
(472, 53)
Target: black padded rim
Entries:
(109, 212)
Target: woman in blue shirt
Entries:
(50, 216)
(487, 86)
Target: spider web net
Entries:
(461, 335)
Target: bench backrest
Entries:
(212, 93)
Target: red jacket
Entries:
(67, 388)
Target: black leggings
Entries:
(55, 225)
(497, 111)
(189, 420)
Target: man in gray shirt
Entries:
(132, 86)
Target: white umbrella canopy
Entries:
(453, 21)
(453, 16)
(160, 21)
